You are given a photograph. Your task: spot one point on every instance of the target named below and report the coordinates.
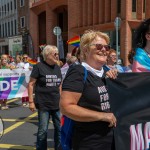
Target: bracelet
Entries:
(31, 102)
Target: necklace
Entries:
(148, 54)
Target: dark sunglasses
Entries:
(56, 54)
(100, 46)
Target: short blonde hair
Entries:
(4, 55)
(88, 37)
(48, 49)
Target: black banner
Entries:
(130, 102)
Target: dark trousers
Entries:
(44, 117)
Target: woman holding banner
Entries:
(46, 78)
(141, 61)
(86, 101)
(4, 65)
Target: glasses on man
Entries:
(113, 56)
(101, 46)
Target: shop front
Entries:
(15, 46)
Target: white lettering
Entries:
(4, 85)
(14, 85)
(147, 135)
(102, 89)
(104, 97)
(137, 140)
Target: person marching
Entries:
(87, 103)
(46, 79)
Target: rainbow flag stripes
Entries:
(32, 62)
(75, 41)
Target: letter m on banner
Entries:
(138, 137)
(137, 140)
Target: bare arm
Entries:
(30, 93)
(60, 88)
(69, 107)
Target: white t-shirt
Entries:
(20, 65)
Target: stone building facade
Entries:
(76, 16)
(14, 27)
(8, 23)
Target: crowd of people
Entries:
(59, 86)
(20, 62)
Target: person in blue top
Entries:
(141, 61)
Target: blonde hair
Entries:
(111, 51)
(47, 50)
(88, 37)
(4, 55)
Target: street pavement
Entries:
(20, 128)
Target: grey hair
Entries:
(47, 50)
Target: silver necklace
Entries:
(148, 54)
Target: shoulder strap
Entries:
(85, 74)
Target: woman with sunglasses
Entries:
(26, 66)
(86, 101)
(46, 79)
(141, 61)
(111, 61)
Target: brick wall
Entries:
(90, 14)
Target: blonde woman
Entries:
(46, 80)
(87, 103)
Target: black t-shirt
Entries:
(47, 92)
(94, 97)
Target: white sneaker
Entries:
(24, 104)
(4, 107)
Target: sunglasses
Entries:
(100, 46)
(56, 54)
(113, 56)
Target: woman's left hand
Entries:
(112, 73)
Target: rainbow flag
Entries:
(75, 41)
(32, 62)
(141, 61)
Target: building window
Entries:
(15, 22)
(11, 6)
(15, 4)
(118, 6)
(5, 29)
(8, 28)
(133, 5)
(8, 7)
(2, 10)
(144, 7)
(22, 22)
(12, 28)
(21, 3)
(0, 31)
(5, 10)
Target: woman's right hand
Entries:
(32, 106)
(109, 117)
